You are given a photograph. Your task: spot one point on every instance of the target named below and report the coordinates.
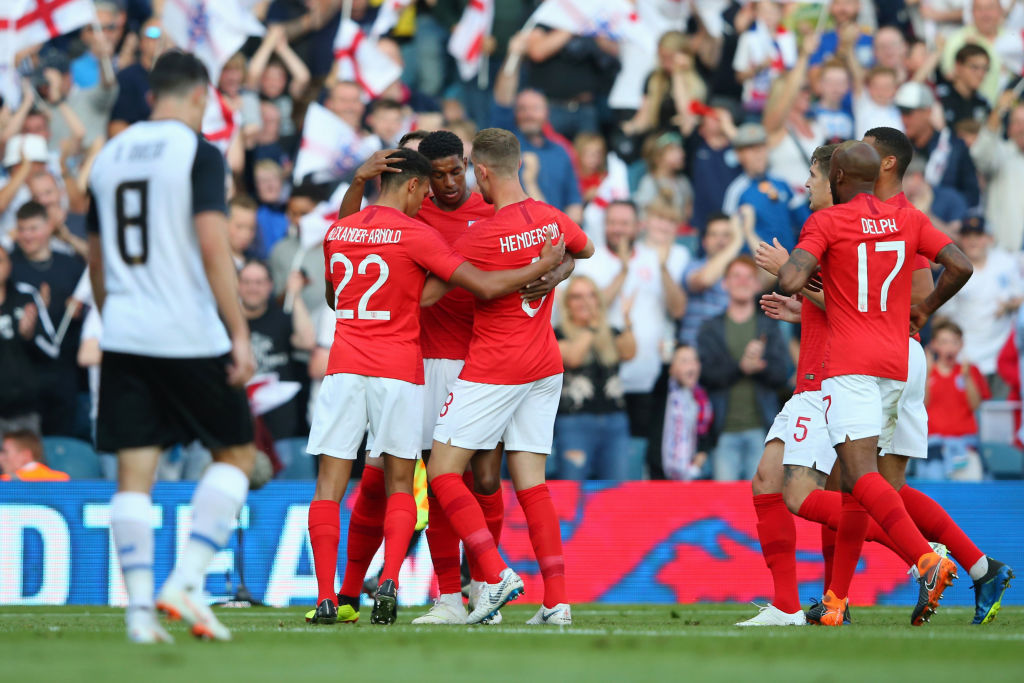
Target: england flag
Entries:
(360, 60)
(220, 123)
(212, 31)
(615, 19)
(24, 23)
(330, 148)
(467, 39)
(387, 17)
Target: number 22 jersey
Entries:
(376, 261)
(513, 342)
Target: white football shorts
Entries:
(479, 416)
(861, 406)
(440, 375)
(347, 403)
(911, 435)
(800, 425)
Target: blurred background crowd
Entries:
(678, 133)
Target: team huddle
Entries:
(443, 350)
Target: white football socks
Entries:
(218, 497)
(133, 540)
(979, 569)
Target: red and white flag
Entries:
(387, 16)
(467, 40)
(30, 22)
(220, 123)
(615, 186)
(211, 30)
(330, 148)
(615, 19)
(361, 61)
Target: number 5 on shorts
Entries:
(800, 425)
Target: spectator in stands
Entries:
(22, 459)
(592, 428)
(1001, 163)
(98, 62)
(831, 112)
(526, 114)
(271, 221)
(241, 228)
(574, 73)
(763, 54)
(986, 307)
(960, 98)
(985, 29)
(688, 416)
(24, 157)
(290, 255)
(19, 325)
(891, 51)
(55, 276)
(743, 366)
(279, 76)
(267, 144)
(711, 163)
(664, 181)
(132, 104)
(770, 197)
(240, 100)
(670, 89)
(949, 161)
(386, 121)
(592, 151)
(76, 114)
(954, 392)
(874, 103)
(846, 34)
(69, 228)
(277, 340)
(706, 298)
(946, 210)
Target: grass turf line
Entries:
(608, 642)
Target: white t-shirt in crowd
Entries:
(867, 115)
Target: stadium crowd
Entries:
(677, 154)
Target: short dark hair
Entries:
(823, 157)
(890, 142)
(947, 325)
(176, 73)
(384, 103)
(499, 149)
(261, 264)
(624, 202)
(26, 438)
(243, 201)
(716, 216)
(31, 209)
(971, 50)
(308, 190)
(442, 144)
(420, 135)
(410, 164)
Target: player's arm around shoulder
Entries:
(494, 284)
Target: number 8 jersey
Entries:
(376, 262)
(866, 249)
(146, 185)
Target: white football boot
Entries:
(144, 628)
(447, 609)
(559, 615)
(192, 606)
(493, 596)
(770, 615)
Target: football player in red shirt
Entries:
(991, 577)
(509, 388)
(376, 264)
(868, 297)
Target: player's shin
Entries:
(444, 548)
(399, 524)
(546, 538)
(365, 530)
(936, 524)
(468, 521)
(133, 538)
(853, 523)
(777, 535)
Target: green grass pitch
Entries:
(607, 642)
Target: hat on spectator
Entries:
(749, 135)
(973, 225)
(22, 147)
(914, 95)
(52, 58)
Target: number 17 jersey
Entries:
(866, 249)
(376, 262)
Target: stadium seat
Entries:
(298, 464)
(73, 456)
(690, 242)
(1003, 461)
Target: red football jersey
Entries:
(865, 248)
(900, 201)
(513, 342)
(377, 261)
(813, 338)
(446, 327)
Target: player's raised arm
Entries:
(795, 272)
(957, 271)
(352, 202)
(492, 284)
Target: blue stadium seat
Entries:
(1003, 461)
(73, 456)
(691, 242)
(298, 464)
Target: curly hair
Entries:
(441, 144)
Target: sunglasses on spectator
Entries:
(153, 32)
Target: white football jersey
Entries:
(146, 185)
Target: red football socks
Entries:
(853, 524)
(467, 519)
(493, 507)
(777, 534)
(324, 532)
(399, 523)
(824, 507)
(365, 530)
(444, 549)
(936, 524)
(882, 502)
(828, 548)
(546, 538)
